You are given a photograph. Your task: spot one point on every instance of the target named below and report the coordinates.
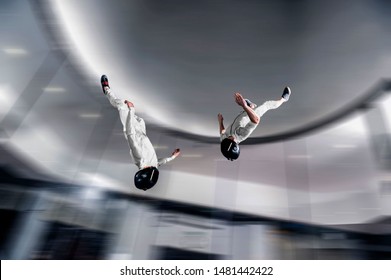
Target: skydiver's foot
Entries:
(286, 93)
(104, 81)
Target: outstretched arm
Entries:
(174, 154)
(221, 124)
(250, 112)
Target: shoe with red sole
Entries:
(104, 81)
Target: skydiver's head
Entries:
(229, 148)
(146, 178)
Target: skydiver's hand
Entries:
(128, 103)
(176, 152)
(220, 118)
(240, 100)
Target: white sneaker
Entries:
(286, 93)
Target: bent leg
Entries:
(268, 105)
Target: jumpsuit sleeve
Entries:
(162, 161)
(244, 131)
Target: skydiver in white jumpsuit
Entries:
(245, 123)
(141, 150)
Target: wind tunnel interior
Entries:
(312, 181)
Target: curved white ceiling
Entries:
(181, 63)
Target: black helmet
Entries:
(146, 178)
(230, 149)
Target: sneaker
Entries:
(104, 82)
(250, 104)
(286, 93)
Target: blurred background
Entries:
(312, 182)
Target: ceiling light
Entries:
(15, 51)
(91, 193)
(191, 156)
(299, 156)
(89, 116)
(157, 147)
(344, 146)
(54, 89)
(7, 98)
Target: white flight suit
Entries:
(242, 126)
(141, 149)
